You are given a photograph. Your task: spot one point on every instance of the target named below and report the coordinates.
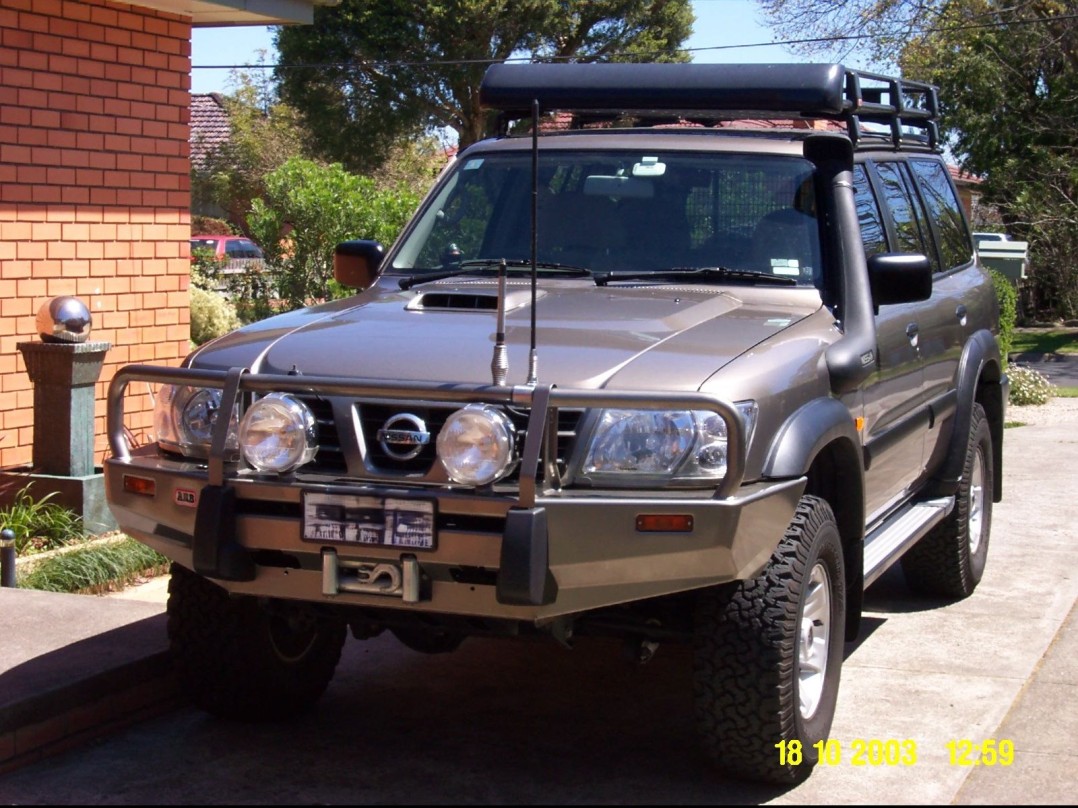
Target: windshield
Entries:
(624, 212)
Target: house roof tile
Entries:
(209, 126)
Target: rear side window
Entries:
(946, 212)
(242, 249)
(910, 228)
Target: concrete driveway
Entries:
(524, 723)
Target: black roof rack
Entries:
(873, 107)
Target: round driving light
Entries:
(278, 433)
(475, 445)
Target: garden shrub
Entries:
(95, 569)
(39, 524)
(210, 226)
(1007, 296)
(211, 315)
(1029, 386)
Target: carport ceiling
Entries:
(208, 13)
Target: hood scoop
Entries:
(457, 300)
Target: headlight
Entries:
(638, 446)
(184, 418)
(278, 433)
(475, 445)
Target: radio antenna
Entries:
(533, 359)
(499, 363)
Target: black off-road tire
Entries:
(239, 659)
(950, 560)
(748, 668)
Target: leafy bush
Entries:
(1028, 386)
(306, 210)
(211, 315)
(1008, 312)
(206, 268)
(39, 524)
(209, 226)
(98, 568)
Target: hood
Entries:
(625, 337)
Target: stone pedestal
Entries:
(64, 375)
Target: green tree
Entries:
(1008, 77)
(841, 27)
(305, 211)
(263, 135)
(368, 73)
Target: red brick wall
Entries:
(94, 190)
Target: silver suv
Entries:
(695, 359)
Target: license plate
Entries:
(383, 521)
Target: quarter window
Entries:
(939, 194)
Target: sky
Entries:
(720, 24)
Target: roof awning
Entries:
(209, 13)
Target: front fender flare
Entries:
(823, 434)
(805, 433)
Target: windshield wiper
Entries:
(695, 274)
(474, 264)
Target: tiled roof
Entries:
(962, 177)
(209, 126)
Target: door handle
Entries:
(911, 333)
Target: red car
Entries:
(228, 247)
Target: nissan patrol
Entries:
(682, 353)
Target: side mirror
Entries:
(899, 278)
(355, 263)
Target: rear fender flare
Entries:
(980, 362)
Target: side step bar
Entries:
(896, 534)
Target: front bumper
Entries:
(533, 556)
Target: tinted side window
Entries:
(868, 213)
(907, 217)
(946, 211)
(242, 249)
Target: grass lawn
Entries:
(1048, 341)
(1045, 340)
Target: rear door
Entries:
(895, 423)
(947, 320)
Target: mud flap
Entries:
(524, 577)
(215, 552)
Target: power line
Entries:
(779, 43)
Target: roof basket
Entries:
(872, 107)
(893, 104)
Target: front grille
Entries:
(330, 456)
(372, 417)
(567, 425)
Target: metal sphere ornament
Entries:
(63, 319)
